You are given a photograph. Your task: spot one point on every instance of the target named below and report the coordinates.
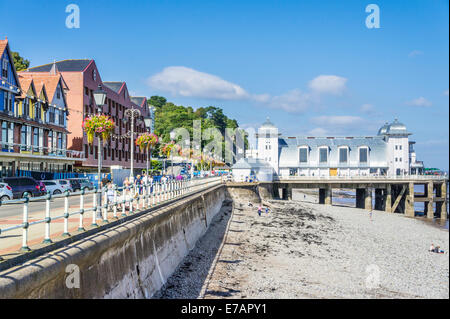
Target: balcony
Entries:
(14, 149)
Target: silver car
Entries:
(5, 192)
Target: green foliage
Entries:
(19, 62)
(169, 116)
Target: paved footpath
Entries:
(12, 215)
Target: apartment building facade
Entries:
(83, 78)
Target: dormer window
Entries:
(323, 155)
(363, 155)
(343, 155)
(303, 155)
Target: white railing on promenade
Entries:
(359, 178)
(116, 200)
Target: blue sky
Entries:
(313, 67)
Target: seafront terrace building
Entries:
(33, 114)
(389, 153)
(83, 78)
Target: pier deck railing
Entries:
(117, 203)
(363, 178)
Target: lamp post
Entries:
(132, 114)
(148, 125)
(99, 98)
(172, 137)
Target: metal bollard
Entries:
(47, 239)
(66, 214)
(115, 203)
(25, 224)
(94, 211)
(123, 202)
(81, 226)
(131, 202)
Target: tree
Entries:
(169, 116)
(19, 62)
(157, 101)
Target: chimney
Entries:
(54, 68)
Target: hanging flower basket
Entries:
(100, 125)
(170, 149)
(146, 140)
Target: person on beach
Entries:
(431, 248)
(267, 210)
(259, 209)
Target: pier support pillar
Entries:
(409, 204)
(388, 199)
(379, 199)
(444, 203)
(360, 197)
(368, 198)
(429, 203)
(325, 196)
(328, 196)
(289, 192)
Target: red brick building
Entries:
(83, 78)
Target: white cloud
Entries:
(337, 120)
(318, 131)
(415, 53)
(328, 84)
(294, 101)
(420, 101)
(183, 81)
(367, 108)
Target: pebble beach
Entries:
(301, 249)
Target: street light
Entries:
(148, 125)
(99, 98)
(172, 137)
(132, 114)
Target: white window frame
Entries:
(328, 155)
(339, 154)
(368, 154)
(307, 154)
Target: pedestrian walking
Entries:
(259, 209)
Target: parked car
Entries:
(84, 183)
(55, 187)
(5, 192)
(65, 185)
(22, 185)
(74, 185)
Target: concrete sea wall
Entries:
(131, 260)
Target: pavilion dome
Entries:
(396, 128)
(383, 129)
(268, 124)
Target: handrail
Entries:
(135, 197)
(359, 178)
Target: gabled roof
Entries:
(138, 100)
(64, 66)
(40, 88)
(25, 84)
(4, 46)
(49, 80)
(115, 86)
